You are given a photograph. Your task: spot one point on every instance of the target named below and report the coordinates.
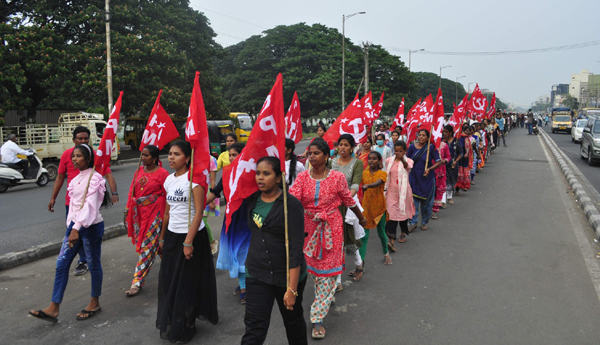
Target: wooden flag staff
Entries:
(287, 239)
(191, 174)
(428, 145)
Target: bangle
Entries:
(295, 293)
(115, 193)
(187, 245)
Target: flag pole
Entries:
(191, 175)
(287, 239)
(428, 146)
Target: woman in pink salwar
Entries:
(440, 179)
(399, 197)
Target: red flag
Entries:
(160, 129)
(350, 121)
(293, 126)
(411, 124)
(492, 112)
(102, 157)
(481, 115)
(266, 139)
(438, 120)
(425, 113)
(478, 103)
(459, 115)
(367, 105)
(399, 119)
(196, 133)
(378, 107)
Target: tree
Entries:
(54, 55)
(310, 59)
(571, 102)
(429, 83)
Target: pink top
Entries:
(65, 166)
(398, 198)
(89, 214)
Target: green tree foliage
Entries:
(310, 58)
(54, 55)
(452, 92)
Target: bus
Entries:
(135, 126)
(586, 112)
(243, 125)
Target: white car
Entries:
(577, 130)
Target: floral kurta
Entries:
(323, 221)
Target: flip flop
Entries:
(130, 294)
(43, 316)
(391, 246)
(318, 335)
(90, 314)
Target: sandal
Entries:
(89, 314)
(237, 291)
(402, 238)
(43, 316)
(391, 245)
(434, 216)
(318, 334)
(412, 228)
(450, 202)
(214, 247)
(387, 259)
(242, 298)
(358, 273)
(133, 291)
(424, 227)
(339, 288)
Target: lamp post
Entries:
(344, 17)
(456, 89)
(441, 68)
(469, 87)
(409, 56)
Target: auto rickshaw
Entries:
(216, 135)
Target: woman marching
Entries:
(399, 196)
(292, 166)
(440, 179)
(452, 165)
(364, 152)
(385, 151)
(373, 183)
(466, 162)
(266, 269)
(85, 228)
(144, 214)
(187, 287)
(422, 180)
(321, 191)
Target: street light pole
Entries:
(456, 89)
(441, 68)
(108, 58)
(344, 17)
(469, 87)
(409, 56)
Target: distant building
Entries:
(590, 96)
(557, 95)
(578, 83)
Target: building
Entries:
(590, 95)
(557, 95)
(578, 83)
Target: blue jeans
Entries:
(426, 208)
(530, 128)
(82, 258)
(91, 239)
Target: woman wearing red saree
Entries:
(144, 214)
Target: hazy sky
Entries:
(444, 26)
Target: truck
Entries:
(51, 140)
(561, 120)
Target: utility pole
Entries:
(456, 89)
(410, 55)
(108, 58)
(344, 17)
(441, 68)
(366, 46)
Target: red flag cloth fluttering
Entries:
(266, 139)
(350, 121)
(399, 119)
(492, 111)
(457, 119)
(160, 129)
(102, 156)
(293, 125)
(477, 104)
(412, 122)
(196, 133)
(378, 107)
(438, 119)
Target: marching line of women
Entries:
(335, 202)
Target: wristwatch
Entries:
(115, 193)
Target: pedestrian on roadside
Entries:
(85, 226)
(187, 287)
(373, 184)
(144, 214)
(529, 121)
(394, 136)
(321, 130)
(440, 180)
(546, 119)
(383, 150)
(399, 195)
(426, 159)
(266, 262)
(235, 240)
(321, 191)
(81, 135)
(501, 127)
(452, 166)
(365, 150)
(223, 159)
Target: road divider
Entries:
(586, 203)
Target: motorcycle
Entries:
(536, 131)
(12, 176)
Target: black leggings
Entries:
(392, 225)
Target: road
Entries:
(511, 262)
(26, 221)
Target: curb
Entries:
(125, 161)
(588, 207)
(14, 259)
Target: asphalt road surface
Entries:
(513, 261)
(25, 220)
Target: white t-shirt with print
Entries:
(178, 194)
